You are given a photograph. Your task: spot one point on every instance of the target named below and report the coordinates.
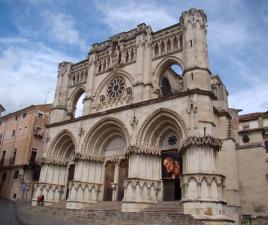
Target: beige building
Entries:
(155, 127)
(22, 139)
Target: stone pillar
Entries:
(59, 107)
(143, 186)
(196, 69)
(115, 183)
(202, 184)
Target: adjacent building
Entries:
(22, 139)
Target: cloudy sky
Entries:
(38, 34)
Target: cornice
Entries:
(136, 105)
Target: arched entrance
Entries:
(109, 139)
(62, 150)
(116, 169)
(165, 130)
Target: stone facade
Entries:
(137, 107)
(22, 140)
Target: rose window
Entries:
(172, 140)
(116, 87)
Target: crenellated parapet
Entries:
(193, 16)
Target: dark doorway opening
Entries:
(109, 179)
(171, 173)
(70, 178)
(123, 173)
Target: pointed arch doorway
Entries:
(116, 169)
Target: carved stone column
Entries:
(201, 184)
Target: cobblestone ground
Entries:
(7, 213)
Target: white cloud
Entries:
(227, 34)
(126, 15)
(28, 72)
(251, 100)
(61, 27)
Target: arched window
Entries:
(171, 80)
(79, 106)
(165, 87)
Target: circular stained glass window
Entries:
(172, 140)
(116, 87)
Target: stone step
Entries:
(171, 206)
(101, 215)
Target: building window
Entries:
(36, 173)
(1, 136)
(40, 115)
(24, 115)
(16, 174)
(16, 118)
(245, 138)
(33, 155)
(266, 146)
(172, 140)
(13, 133)
(0, 123)
(165, 87)
(3, 157)
(38, 132)
(13, 158)
(116, 87)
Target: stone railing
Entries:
(141, 190)
(202, 187)
(146, 150)
(52, 192)
(81, 193)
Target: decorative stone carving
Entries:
(84, 192)
(59, 162)
(205, 140)
(202, 187)
(52, 192)
(146, 150)
(88, 157)
(139, 190)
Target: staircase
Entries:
(109, 213)
(170, 207)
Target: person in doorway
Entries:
(171, 168)
(39, 200)
(42, 200)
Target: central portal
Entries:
(115, 174)
(116, 170)
(171, 173)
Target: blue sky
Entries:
(36, 35)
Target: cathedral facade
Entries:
(155, 126)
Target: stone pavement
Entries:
(107, 213)
(26, 216)
(99, 214)
(7, 213)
